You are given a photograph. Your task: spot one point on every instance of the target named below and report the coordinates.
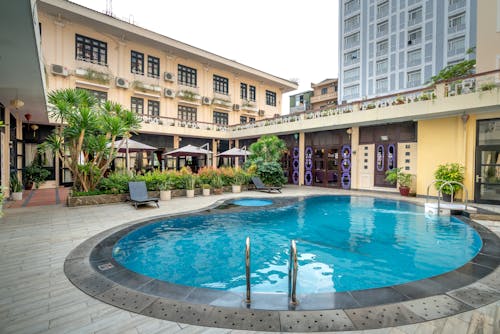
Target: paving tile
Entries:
(382, 316)
(476, 295)
(126, 299)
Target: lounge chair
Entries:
(259, 185)
(139, 194)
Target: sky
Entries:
(291, 39)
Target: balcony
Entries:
(351, 7)
(324, 97)
(414, 21)
(249, 106)
(456, 28)
(456, 51)
(456, 5)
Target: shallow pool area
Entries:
(344, 243)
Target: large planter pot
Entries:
(404, 191)
(17, 196)
(236, 188)
(218, 191)
(190, 193)
(447, 197)
(206, 192)
(165, 195)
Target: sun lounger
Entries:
(259, 185)
(139, 194)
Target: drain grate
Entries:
(126, 299)
(436, 307)
(382, 316)
(314, 321)
(476, 295)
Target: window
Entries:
(252, 93)
(351, 23)
(414, 57)
(221, 85)
(351, 91)
(186, 76)
(153, 67)
(351, 75)
(220, 118)
(91, 50)
(243, 120)
(351, 57)
(324, 90)
(243, 91)
(153, 108)
(382, 48)
(382, 85)
(456, 46)
(382, 66)
(351, 6)
(413, 79)
(136, 62)
(415, 37)
(456, 23)
(270, 98)
(351, 40)
(454, 4)
(251, 120)
(186, 113)
(415, 16)
(100, 96)
(382, 9)
(137, 105)
(382, 28)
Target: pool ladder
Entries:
(293, 269)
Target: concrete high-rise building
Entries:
(389, 46)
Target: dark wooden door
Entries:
(385, 159)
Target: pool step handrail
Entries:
(292, 274)
(440, 192)
(248, 299)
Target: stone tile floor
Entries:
(36, 296)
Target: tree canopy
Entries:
(84, 140)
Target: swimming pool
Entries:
(344, 243)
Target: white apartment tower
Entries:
(387, 46)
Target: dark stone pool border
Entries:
(91, 267)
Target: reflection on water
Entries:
(344, 243)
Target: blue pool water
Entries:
(252, 202)
(344, 243)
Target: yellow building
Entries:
(189, 96)
(324, 94)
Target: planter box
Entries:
(17, 196)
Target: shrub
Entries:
(449, 172)
(271, 173)
(114, 183)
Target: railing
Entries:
(456, 5)
(248, 299)
(292, 274)
(324, 97)
(456, 28)
(451, 187)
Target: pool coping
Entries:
(92, 269)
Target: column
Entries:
(214, 153)
(6, 152)
(355, 155)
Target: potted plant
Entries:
(238, 179)
(206, 189)
(404, 180)
(165, 188)
(190, 185)
(453, 172)
(16, 187)
(217, 184)
(35, 174)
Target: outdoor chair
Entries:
(139, 194)
(260, 186)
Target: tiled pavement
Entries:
(40, 197)
(36, 296)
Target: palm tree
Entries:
(268, 148)
(85, 130)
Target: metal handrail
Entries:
(448, 183)
(292, 274)
(247, 266)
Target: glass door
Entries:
(487, 171)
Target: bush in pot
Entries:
(239, 179)
(16, 187)
(404, 180)
(451, 172)
(190, 184)
(217, 184)
(206, 189)
(165, 189)
(35, 174)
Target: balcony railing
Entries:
(456, 28)
(456, 5)
(456, 51)
(351, 8)
(324, 97)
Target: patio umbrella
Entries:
(235, 152)
(131, 146)
(188, 150)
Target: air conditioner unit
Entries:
(59, 70)
(236, 107)
(206, 100)
(120, 82)
(262, 112)
(169, 92)
(168, 76)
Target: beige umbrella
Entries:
(188, 150)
